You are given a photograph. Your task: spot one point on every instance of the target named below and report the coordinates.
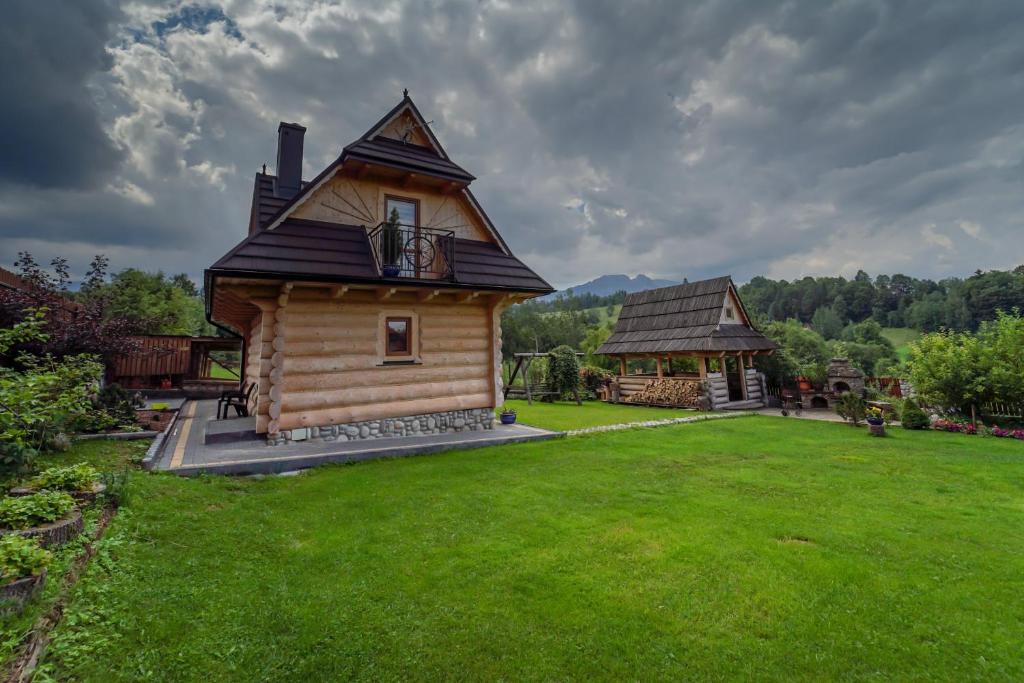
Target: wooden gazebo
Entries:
(704, 321)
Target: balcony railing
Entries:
(413, 251)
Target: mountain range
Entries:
(610, 284)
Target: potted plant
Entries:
(49, 515)
(81, 482)
(876, 421)
(508, 416)
(391, 246)
(22, 571)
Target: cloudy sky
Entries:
(673, 139)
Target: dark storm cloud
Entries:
(50, 130)
(676, 139)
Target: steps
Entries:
(741, 405)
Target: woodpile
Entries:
(672, 392)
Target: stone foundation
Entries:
(473, 419)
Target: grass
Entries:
(218, 372)
(901, 338)
(736, 549)
(563, 415)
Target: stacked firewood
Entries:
(672, 392)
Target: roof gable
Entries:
(405, 123)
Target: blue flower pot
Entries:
(508, 419)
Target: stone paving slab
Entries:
(186, 452)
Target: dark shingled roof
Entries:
(406, 156)
(682, 318)
(332, 252)
(265, 204)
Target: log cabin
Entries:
(703, 323)
(369, 298)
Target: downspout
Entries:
(208, 310)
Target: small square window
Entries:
(399, 331)
(728, 312)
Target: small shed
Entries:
(705, 321)
(174, 362)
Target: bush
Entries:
(913, 417)
(594, 378)
(563, 370)
(80, 477)
(25, 512)
(851, 408)
(21, 557)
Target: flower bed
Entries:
(1007, 433)
(951, 426)
(50, 516)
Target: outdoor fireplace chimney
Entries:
(289, 159)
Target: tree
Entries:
(72, 327)
(154, 303)
(950, 369)
(827, 323)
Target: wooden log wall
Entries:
(321, 359)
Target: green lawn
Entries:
(218, 372)
(567, 415)
(736, 549)
(901, 338)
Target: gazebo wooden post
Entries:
(622, 366)
(526, 380)
(702, 366)
(669, 359)
(743, 375)
(657, 363)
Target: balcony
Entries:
(413, 251)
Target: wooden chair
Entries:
(237, 399)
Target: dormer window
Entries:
(729, 313)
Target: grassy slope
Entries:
(759, 547)
(901, 338)
(567, 415)
(103, 454)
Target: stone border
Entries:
(80, 496)
(120, 436)
(468, 419)
(156, 449)
(15, 594)
(54, 533)
(655, 423)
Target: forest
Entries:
(813, 318)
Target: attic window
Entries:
(728, 313)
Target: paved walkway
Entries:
(656, 423)
(821, 414)
(186, 451)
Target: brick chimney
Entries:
(289, 159)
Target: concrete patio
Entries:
(198, 443)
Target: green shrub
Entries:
(563, 370)
(851, 408)
(24, 512)
(21, 557)
(913, 417)
(594, 378)
(80, 477)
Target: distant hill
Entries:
(610, 284)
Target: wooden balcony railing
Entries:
(413, 251)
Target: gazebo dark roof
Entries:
(682, 318)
